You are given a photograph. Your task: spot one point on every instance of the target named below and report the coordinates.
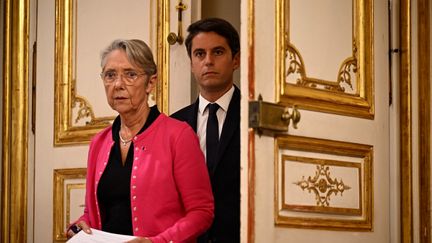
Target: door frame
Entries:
(424, 102)
(15, 118)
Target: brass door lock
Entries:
(266, 116)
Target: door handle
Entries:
(172, 37)
(271, 117)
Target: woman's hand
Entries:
(140, 240)
(74, 229)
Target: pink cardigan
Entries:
(171, 197)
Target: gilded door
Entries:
(326, 181)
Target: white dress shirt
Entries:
(203, 113)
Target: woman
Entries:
(146, 174)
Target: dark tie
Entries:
(212, 137)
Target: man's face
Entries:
(212, 63)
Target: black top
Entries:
(114, 186)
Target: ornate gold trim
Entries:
(66, 98)
(324, 146)
(251, 134)
(405, 111)
(60, 175)
(323, 95)
(322, 185)
(15, 122)
(424, 102)
(69, 188)
(6, 129)
(163, 29)
(296, 67)
(65, 92)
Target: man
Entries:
(214, 49)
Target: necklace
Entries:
(123, 141)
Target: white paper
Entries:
(98, 236)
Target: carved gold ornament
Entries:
(322, 185)
(337, 174)
(296, 74)
(75, 118)
(350, 90)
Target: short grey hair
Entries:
(137, 52)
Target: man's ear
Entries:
(151, 83)
(236, 61)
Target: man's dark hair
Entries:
(217, 25)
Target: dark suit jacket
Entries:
(225, 178)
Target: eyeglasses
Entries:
(129, 77)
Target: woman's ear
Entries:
(151, 83)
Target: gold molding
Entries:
(15, 122)
(6, 131)
(163, 51)
(250, 230)
(405, 111)
(330, 97)
(424, 113)
(60, 175)
(331, 147)
(69, 188)
(66, 97)
(322, 184)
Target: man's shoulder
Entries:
(184, 113)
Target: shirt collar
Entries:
(223, 101)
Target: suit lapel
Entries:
(192, 118)
(232, 123)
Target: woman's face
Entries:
(125, 96)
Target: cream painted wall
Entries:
(394, 206)
(180, 87)
(31, 135)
